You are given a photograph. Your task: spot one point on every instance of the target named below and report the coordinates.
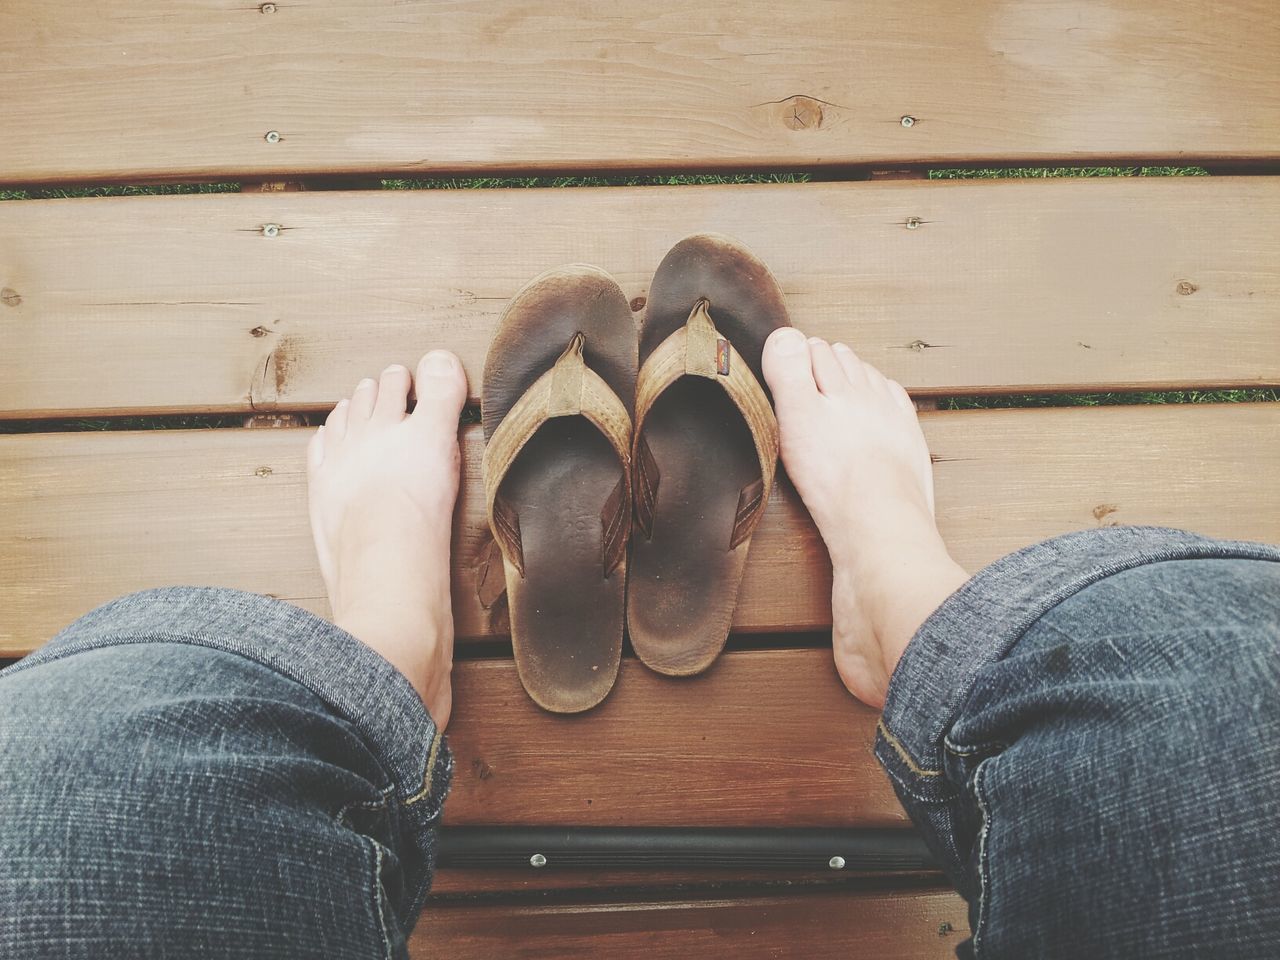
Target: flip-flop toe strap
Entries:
(698, 349)
(569, 388)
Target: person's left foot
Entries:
(382, 484)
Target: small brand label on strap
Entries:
(722, 357)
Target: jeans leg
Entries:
(196, 772)
(1088, 734)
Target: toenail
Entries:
(438, 362)
(814, 341)
(366, 383)
(395, 368)
(789, 341)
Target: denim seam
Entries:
(379, 898)
(984, 893)
(901, 751)
(989, 746)
(366, 805)
(429, 774)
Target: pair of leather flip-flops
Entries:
(596, 437)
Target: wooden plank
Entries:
(762, 739)
(458, 881)
(1028, 285)
(214, 89)
(902, 925)
(85, 517)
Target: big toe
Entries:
(787, 367)
(442, 391)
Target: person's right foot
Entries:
(852, 446)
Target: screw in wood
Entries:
(908, 121)
(537, 860)
(836, 863)
(272, 137)
(913, 223)
(271, 229)
(267, 8)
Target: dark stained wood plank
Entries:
(762, 739)
(184, 304)
(214, 89)
(826, 925)
(452, 882)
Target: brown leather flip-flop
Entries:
(705, 448)
(557, 400)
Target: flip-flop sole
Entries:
(684, 580)
(566, 617)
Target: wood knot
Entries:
(262, 472)
(1186, 288)
(801, 113)
(638, 304)
(259, 332)
(1102, 511)
(481, 769)
(10, 297)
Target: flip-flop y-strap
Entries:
(570, 388)
(697, 349)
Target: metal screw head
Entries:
(836, 863)
(913, 223)
(272, 137)
(908, 121)
(267, 8)
(271, 229)
(537, 860)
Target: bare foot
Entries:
(852, 446)
(382, 487)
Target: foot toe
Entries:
(787, 367)
(336, 423)
(854, 369)
(393, 394)
(901, 396)
(827, 371)
(315, 451)
(442, 391)
(363, 400)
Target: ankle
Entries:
(900, 592)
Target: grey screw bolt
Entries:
(537, 860)
(272, 137)
(836, 863)
(267, 8)
(913, 223)
(908, 121)
(271, 229)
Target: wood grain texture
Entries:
(467, 881)
(85, 517)
(1025, 285)
(915, 925)
(191, 89)
(763, 738)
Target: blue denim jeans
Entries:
(1087, 733)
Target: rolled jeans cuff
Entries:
(980, 623)
(356, 683)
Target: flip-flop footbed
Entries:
(684, 577)
(566, 614)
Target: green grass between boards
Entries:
(946, 403)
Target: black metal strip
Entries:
(541, 848)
